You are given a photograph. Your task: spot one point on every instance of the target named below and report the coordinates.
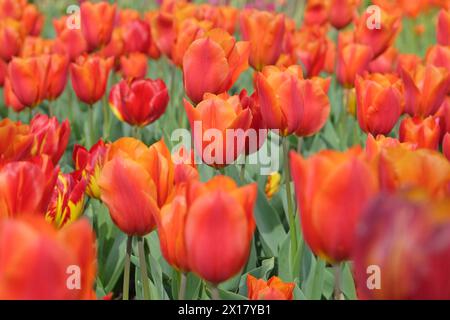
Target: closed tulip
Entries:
(353, 59)
(273, 289)
(16, 141)
(139, 102)
(32, 20)
(68, 41)
(51, 137)
(425, 133)
(212, 64)
(213, 117)
(10, 98)
(49, 256)
(136, 36)
(443, 28)
(332, 189)
(134, 66)
(405, 236)
(341, 12)
(218, 212)
(290, 103)
(265, 47)
(97, 22)
(11, 37)
(90, 163)
(379, 102)
(89, 77)
(67, 202)
(316, 13)
(385, 62)
(425, 89)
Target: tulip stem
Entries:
(91, 136)
(215, 292)
(183, 282)
(287, 179)
(337, 281)
(242, 174)
(136, 132)
(51, 113)
(143, 267)
(126, 275)
(106, 118)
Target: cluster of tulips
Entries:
(386, 204)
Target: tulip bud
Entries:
(425, 133)
(353, 60)
(332, 189)
(273, 289)
(341, 12)
(272, 184)
(32, 20)
(97, 23)
(139, 102)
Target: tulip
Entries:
(353, 60)
(374, 146)
(316, 13)
(228, 17)
(68, 41)
(185, 168)
(11, 39)
(3, 72)
(379, 39)
(115, 48)
(446, 145)
(385, 62)
(51, 137)
(379, 102)
(90, 163)
(443, 28)
(89, 77)
(97, 22)
(32, 20)
(439, 56)
(216, 116)
(218, 212)
(136, 36)
(10, 98)
(290, 103)
(272, 184)
(444, 117)
(425, 133)
(35, 46)
(405, 238)
(424, 169)
(341, 12)
(57, 75)
(407, 62)
(16, 141)
(139, 102)
(134, 66)
(273, 289)
(265, 47)
(12, 8)
(212, 64)
(425, 88)
(163, 31)
(332, 189)
(67, 202)
(35, 179)
(49, 256)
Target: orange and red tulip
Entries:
(12, 8)
(404, 236)
(68, 41)
(163, 30)
(290, 103)
(439, 56)
(50, 136)
(385, 62)
(341, 12)
(36, 46)
(185, 168)
(316, 12)
(425, 89)
(11, 37)
(16, 141)
(48, 255)
(425, 133)
(32, 20)
(67, 202)
(89, 76)
(10, 98)
(139, 102)
(265, 47)
(273, 289)
(443, 28)
(134, 65)
(332, 189)
(374, 146)
(353, 60)
(212, 64)
(97, 23)
(90, 163)
(218, 113)
(379, 102)
(3, 72)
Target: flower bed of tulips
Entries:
(99, 200)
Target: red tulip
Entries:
(32, 20)
(439, 56)
(136, 36)
(97, 22)
(68, 41)
(89, 77)
(139, 102)
(16, 141)
(385, 62)
(443, 28)
(353, 60)
(10, 98)
(3, 72)
(273, 289)
(316, 12)
(12, 8)
(213, 64)
(11, 37)
(341, 12)
(425, 133)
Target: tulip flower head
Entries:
(97, 22)
(273, 289)
(425, 133)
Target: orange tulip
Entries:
(134, 65)
(218, 212)
(35, 46)
(377, 39)
(11, 37)
(67, 202)
(32, 20)
(35, 179)
(273, 289)
(16, 141)
(443, 28)
(290, 103)
(68, 41)
(163, 30)
(265, 47)
(446, 145)
(353, 60)
(403, 169)
(57, 75)
(332, 190)
(97, 22)
(341, 12)
(49, 257)
(374, 146)
(425, 88)
(89, 77)
(90, 163)
(51, 137)
(405, 237)
(379, 102)
(217, 115)
(407, 61)
(212, 64)
(139, 102)
(425, 133)
(185, 168)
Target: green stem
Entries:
(143, 267)
(91, 134)
(106, 118)
(51, 112)
(30, 114)
(337, 281)
(242, 173)
(214, 292)
(287, 180)
(136, 132)
(126, 275)
(183, 282)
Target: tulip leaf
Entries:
(313, 286)
(348, 284)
